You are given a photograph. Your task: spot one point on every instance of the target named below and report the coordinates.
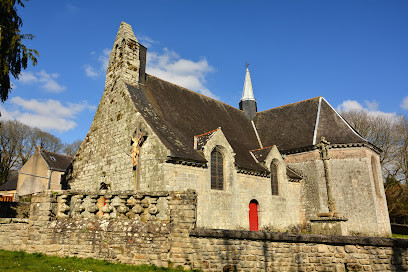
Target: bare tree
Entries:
(377, 129)
(72, 148)
(9, 145)
(17, 144)
(401, 168)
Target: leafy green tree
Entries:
(14, 55)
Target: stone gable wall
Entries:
(353, 188)
(160, 228)
(105, 153)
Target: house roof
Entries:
(56, 161)
(9, 185)
(177, 115)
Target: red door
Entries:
(253, 216)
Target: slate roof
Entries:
(56, 161)
(177, 115)
(293, 126)
(9, 185)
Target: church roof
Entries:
(177, 115)
(302, 124)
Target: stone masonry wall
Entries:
(13, 233)
(352, 185)
(105, 153)
(159, 228)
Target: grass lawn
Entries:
(401, 236)
(21, 261)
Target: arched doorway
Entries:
(253, 215)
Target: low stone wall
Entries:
(13, 233)
(221, 250)
(159, 228)
(134, 228)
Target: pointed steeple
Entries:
(248, 101)
(247, 93)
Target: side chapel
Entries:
(288, 167)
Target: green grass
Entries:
(400, 236)
(20, 261)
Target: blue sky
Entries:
(354, 53)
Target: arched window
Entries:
(375, 175)
(217, 170)
(274, 177)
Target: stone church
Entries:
(298, 166)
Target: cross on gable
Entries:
(138, 138)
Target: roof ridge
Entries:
(290, 104)
(57, 153)
(193, 92)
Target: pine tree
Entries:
(14, 55)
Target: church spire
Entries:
(248, 102)
(247, 93)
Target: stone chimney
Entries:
(248, 102)
(127, 59)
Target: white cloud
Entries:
(404, 103)
(371, 108)
(97, 70)
(146, 40)
(187, 73)
(47, 122)
(6, 115)
(27, 78)
(91, 72)
(167, 65)
(47, 81)
(104, 59)
(371, 105)
(45, 114)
